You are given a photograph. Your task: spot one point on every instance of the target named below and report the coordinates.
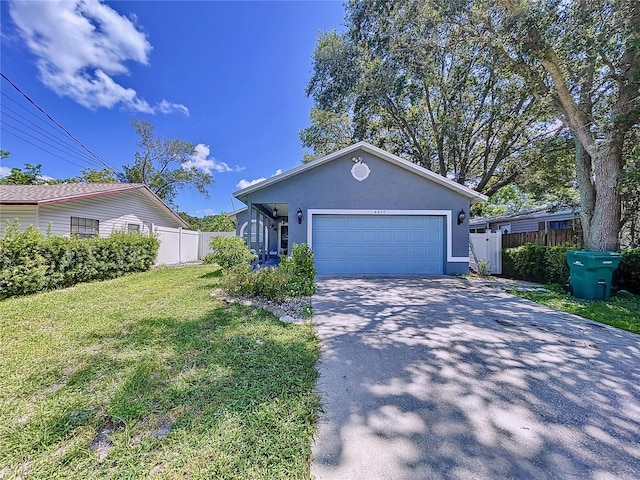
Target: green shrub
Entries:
(31, 263)
(556, 266)
(300, 270)
(536, 263)
(627, 275)
(549, 265)
(208, 259)
(271, 283)
(229, 252)
(294, 277)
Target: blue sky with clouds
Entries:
(228, 76)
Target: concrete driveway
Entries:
(443, 378)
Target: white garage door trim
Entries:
(442, 213)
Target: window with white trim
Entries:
(133, 227)
(85, 227)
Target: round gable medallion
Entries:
(360, 171)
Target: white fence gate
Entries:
(178, 245)
(487, 247)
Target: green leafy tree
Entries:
(163, 165)
(91, 175)
(585, 56)
(210, 223)
(418, 79)
(30, 175)
(629, 185)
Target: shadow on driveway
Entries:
(438, 378)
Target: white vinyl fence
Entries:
(205, 238)
(487, 247)
(178, 245)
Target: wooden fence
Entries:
(552, 238)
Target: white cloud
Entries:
(247, 183)
(200, 160)
(206, 211)
(167, 107)
(80, 46)
(4, 171)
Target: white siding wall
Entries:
(26, 215)
(176, 245)
(113, 211)
(528, 225)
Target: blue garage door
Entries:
(378, 244)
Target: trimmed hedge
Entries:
(31, 263)
(537, 263)
(627, 276)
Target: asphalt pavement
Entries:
(445, 378)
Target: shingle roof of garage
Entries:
(473, 196)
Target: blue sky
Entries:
(228, 76)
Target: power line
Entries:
(41, 148)
(46, 137)
(100, 160)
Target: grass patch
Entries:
(149, 375)
(620, 311)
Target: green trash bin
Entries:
(591, 273)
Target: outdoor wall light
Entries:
(461, 216)
(299, 215)
(275, 212)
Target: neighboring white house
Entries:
(85, 209)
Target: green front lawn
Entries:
(619, 311)
(148, 375)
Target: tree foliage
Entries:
(30, 175)
(91, 175)
(585, 56)
(419, 78)
(163, 165)
(210, 223)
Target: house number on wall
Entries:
(378, 212)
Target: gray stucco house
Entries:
(362, 210)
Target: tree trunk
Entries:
(605, 221)
(584, 177)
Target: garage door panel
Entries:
(370, 236)
(385, 223)
(418, 236)
(378, 244)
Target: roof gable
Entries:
(473, 196)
